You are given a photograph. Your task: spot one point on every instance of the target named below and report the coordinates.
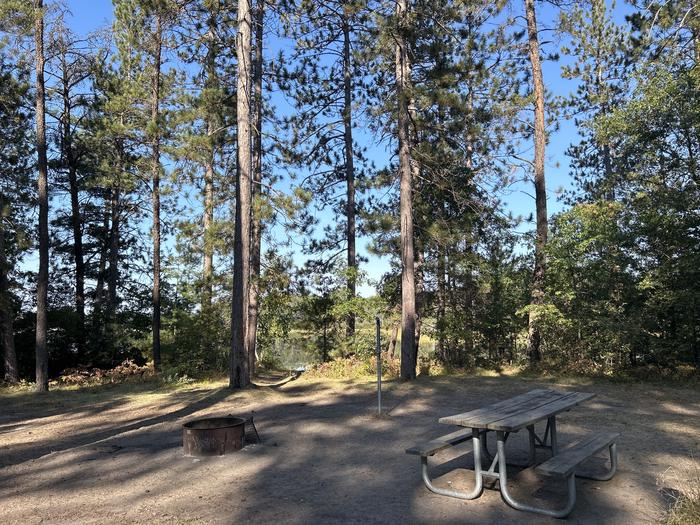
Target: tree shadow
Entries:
(326, 459)
(86, 435)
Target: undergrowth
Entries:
(685, 508)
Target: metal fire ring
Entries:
(215, 436)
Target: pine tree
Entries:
(42, 357)
(408, 281)
(141, 27)
(239, 376)
(540, 138)
(71, 68)
(256, 190)
(15, 171)
(326, 86)
(602, 55)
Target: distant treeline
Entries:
(160, 176)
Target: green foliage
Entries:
(623, 282)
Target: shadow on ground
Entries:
(326, 459)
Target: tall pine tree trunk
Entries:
(208, 218)
(440, 320)
(113, 253)
(76, 221)
(207, 222)
(349, 169)
(42, 357)
(101, 272)
(420, 288)
(469, 284)
(239, 375)
(408, 290)
(256, 223)
(155, 173)
(537, 297)
(7, 314)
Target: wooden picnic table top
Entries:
(520, 411)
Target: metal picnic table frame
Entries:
(508, 417)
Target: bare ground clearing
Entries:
(77, 457)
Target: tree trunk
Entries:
(155, 172)
(420, 288)
(256, 223)
(440, 321)
(113, 275)
(7, 314)
(408, 291)
(208, 218)
(42, 357)
(537, 297)
(394, 337)
(469, 284)
(349, 170)
(239, 375)
(101, 272)
(76, 222)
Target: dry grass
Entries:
(686, 511)
(685, 507)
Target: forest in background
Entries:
(154, 195)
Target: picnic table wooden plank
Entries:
(481, 417)
(486, 412)
(530, 417)
(442, 442)
(571, 456)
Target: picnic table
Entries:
(507, 417)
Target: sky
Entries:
(89, 15)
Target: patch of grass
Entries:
(22, 396)
(685, 503)
(686, 511)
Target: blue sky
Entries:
(88, 15)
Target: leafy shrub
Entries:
(127, 370)
(354, 367)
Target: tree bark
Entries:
(101, 272)
(113, 275)
(207, 222)
(208, 218)
(256, 222)
(155, 172)
(408, 291)
(469, 284)
(440, 321)
(349, 170)
(420, 288)
(394, 337)
(76, 221)
(537, 297)
(42, 358)
(7, 314)
(239, 375)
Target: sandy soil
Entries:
(325, 458)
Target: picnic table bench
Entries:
(510, 416)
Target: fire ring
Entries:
(215, 436)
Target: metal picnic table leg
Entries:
(610, 472)
(503, 485)
(550, 433)
(478, 480)
(533, 452)
(552, 422)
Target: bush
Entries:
(83, 376)
(354, 367)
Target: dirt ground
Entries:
(115, 456)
